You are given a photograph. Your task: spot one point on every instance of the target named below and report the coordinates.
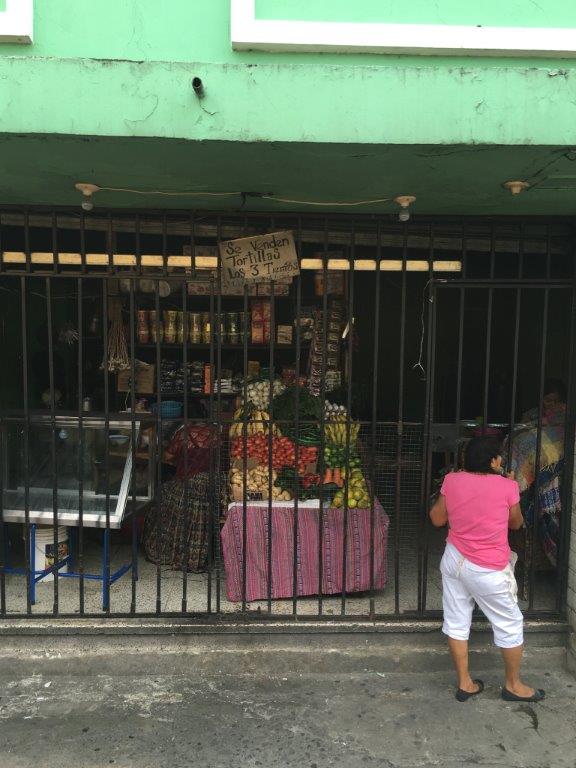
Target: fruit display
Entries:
(257, 484)
(307, 486)
(297, 402)
(258, 393)
(357, 492)
(283, 452)
(258, 423)
(335, 456)
(336, 432)
(332, 411)
(269, 448)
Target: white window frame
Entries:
(17, 22)
(251, 34)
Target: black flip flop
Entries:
(538, 695)
(465, 695)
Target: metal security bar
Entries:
(171, 448)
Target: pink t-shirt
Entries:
(478, 513)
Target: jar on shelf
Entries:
(220, 327)
(156, 327)
(232, 327)
(206, 328)
(143, 328)
(195, 324)
(170, 326)
(180, 327)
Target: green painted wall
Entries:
(123, 68)
(513, 13)
(408, 105)
(197, 30)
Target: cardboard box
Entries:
(144, 375)
(251, 463)
(334, 285)
(207, 378)
(281, 288)
(253, 369)
(237, 494)
(198, 287)
(257, 311)
(257, 332)
(284, 334)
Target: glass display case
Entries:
(100, 479)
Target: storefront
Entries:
(320, 410)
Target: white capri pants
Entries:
(495, 592)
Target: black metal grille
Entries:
(452, 328)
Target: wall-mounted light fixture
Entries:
(88, 191)
(516, 187)
(404, 201)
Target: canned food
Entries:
(195, 323)
(156, 327)
(180, 327)
(170, 331)
(206, 328)
(232, 322)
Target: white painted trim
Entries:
(17, 22)
(249, 33)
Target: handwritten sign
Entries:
(258, 259)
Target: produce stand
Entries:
(283, 462)
(312, 528)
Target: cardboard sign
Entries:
(144, 384)
(258, 259)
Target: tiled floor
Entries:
(203, 587)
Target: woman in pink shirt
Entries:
(480, 505)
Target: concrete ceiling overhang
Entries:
(467, 180)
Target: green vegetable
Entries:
(309, 410)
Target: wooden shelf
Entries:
(167, 395)
(236, 347)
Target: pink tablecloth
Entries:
(357, 558)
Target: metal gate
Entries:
(511, 343)
(171, 448)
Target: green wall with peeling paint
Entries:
(513, 13)
(123, 68)
(407, 105)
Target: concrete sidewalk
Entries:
(360, 719)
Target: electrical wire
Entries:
(169, 194)
(420, 363)
(190, 193)
(331, 203)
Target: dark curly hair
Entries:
(479, 453)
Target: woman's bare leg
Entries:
(459, 651)
(512, 661)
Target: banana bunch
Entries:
(335, 431)
(258, 423)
